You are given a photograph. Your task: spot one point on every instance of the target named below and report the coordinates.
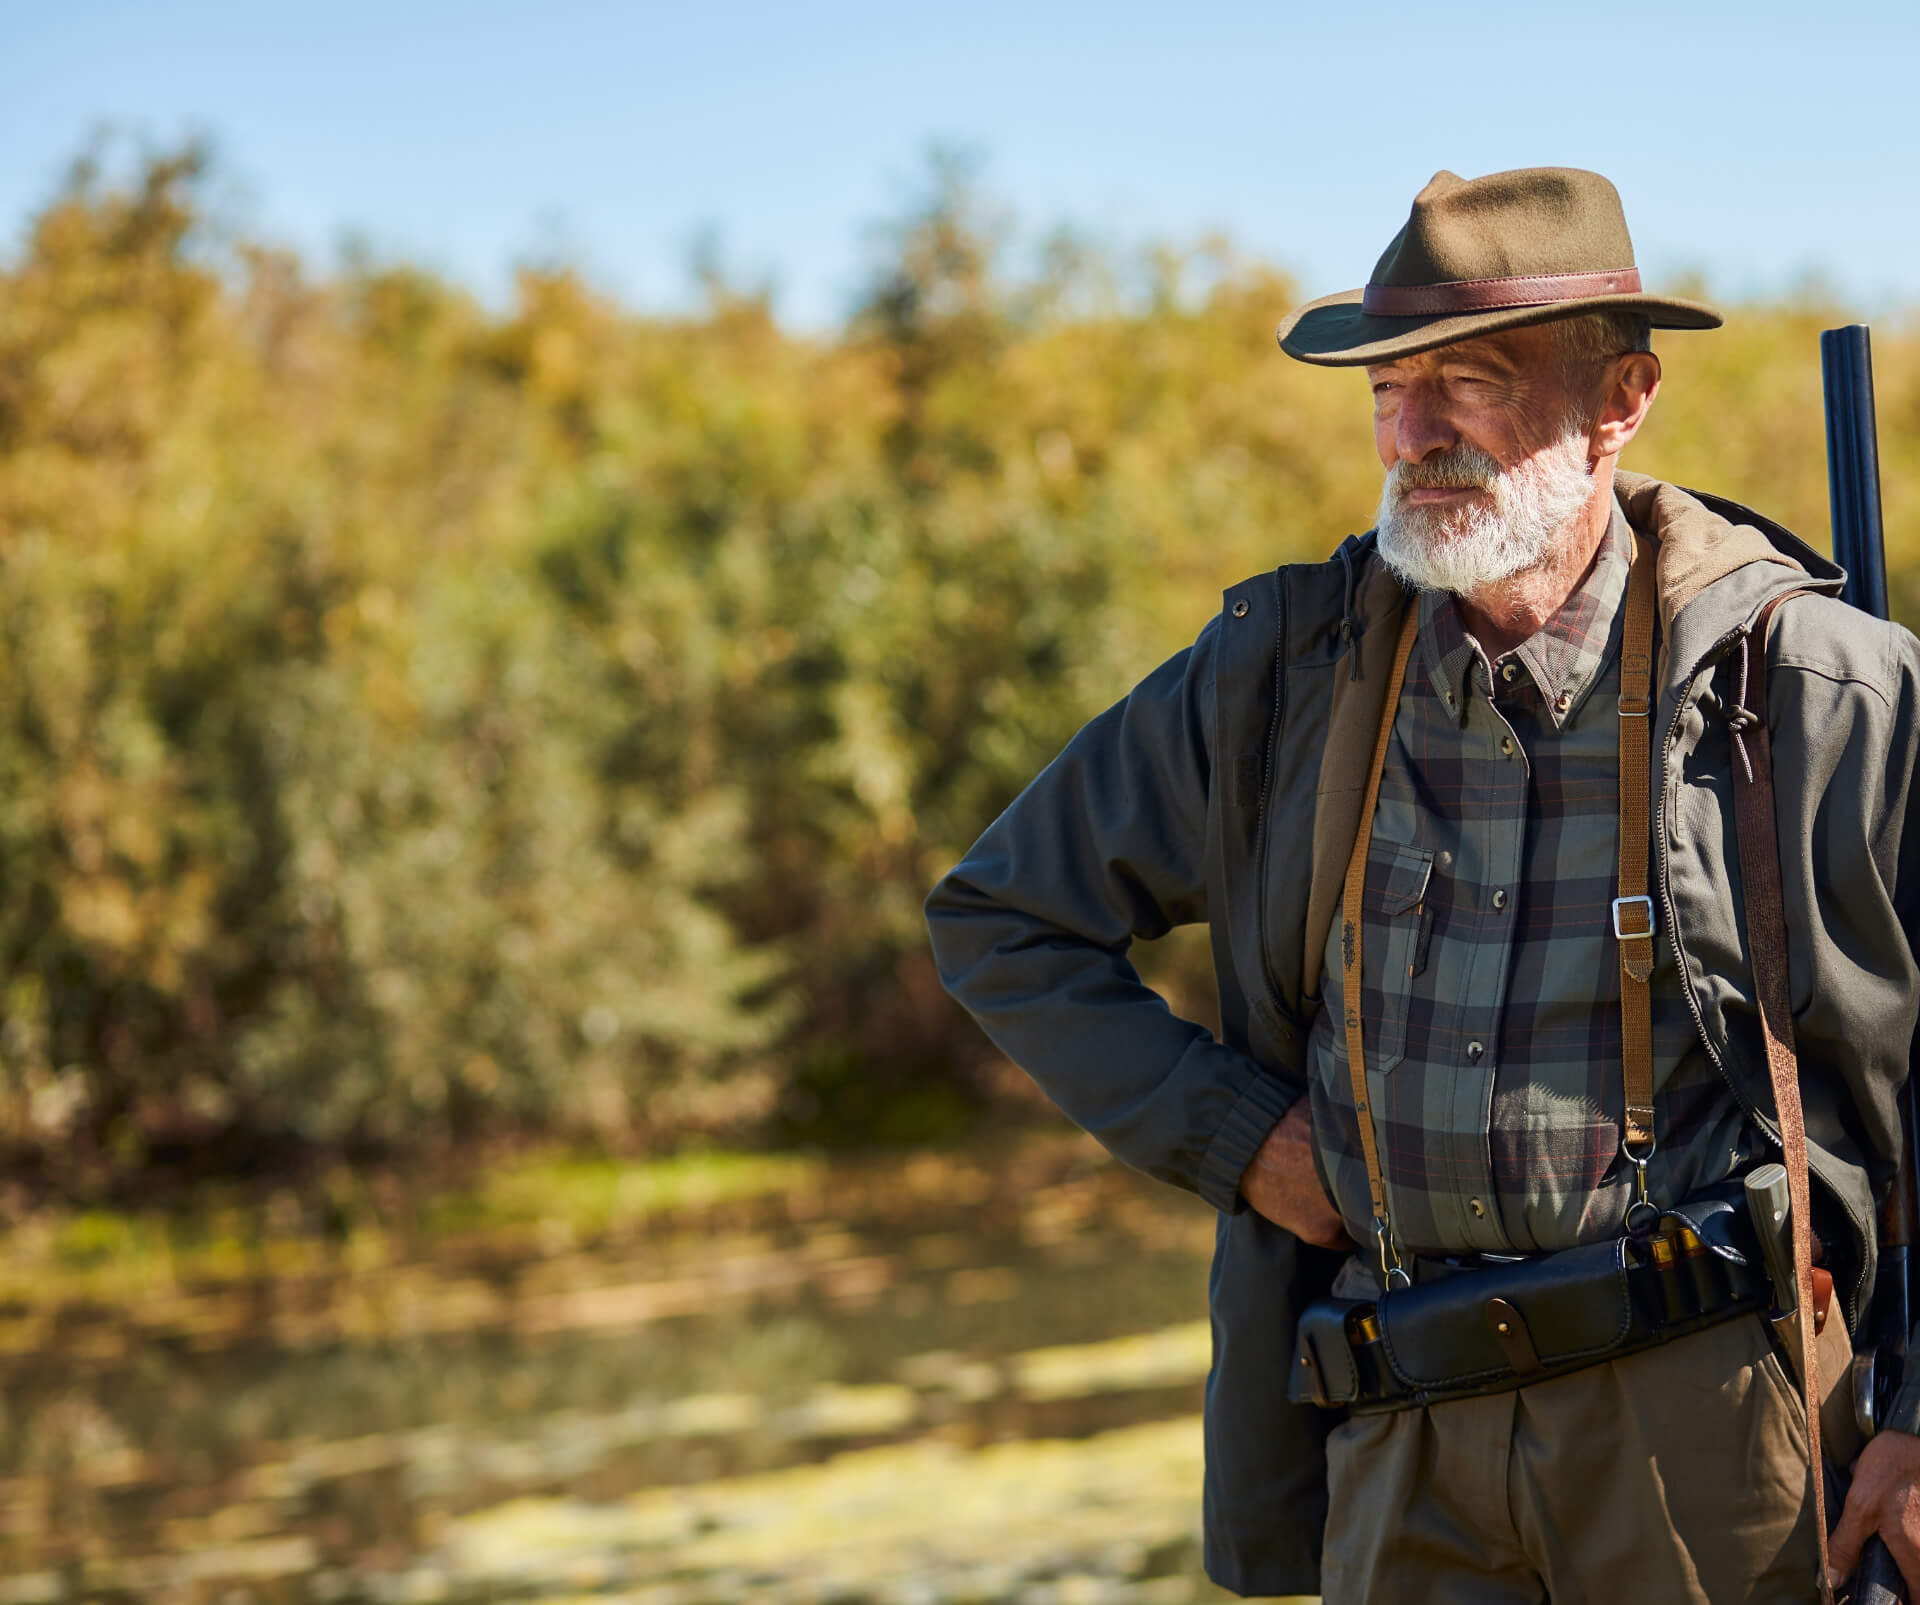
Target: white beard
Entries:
(1513, 529)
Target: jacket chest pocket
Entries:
(1398, 922)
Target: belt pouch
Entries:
(1324, 1372)
(1469, 1333)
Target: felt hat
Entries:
(1479, 255)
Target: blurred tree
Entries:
(308, 833)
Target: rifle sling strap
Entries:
(1767, 952)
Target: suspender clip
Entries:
(1392, 1272)
(1643, 1214)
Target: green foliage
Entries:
(417, 721)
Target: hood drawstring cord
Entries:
(1740, 718)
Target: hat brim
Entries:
(1334, 332)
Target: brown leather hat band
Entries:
(1489, 295)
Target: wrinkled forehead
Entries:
(1512, 352)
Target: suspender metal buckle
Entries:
(1642, 711)
(1625, 936)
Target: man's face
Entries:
(1506, 394)
(1486, 449)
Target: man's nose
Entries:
(1421, 429)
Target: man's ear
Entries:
(1632, 381)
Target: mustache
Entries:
(1461, 467)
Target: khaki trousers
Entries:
(1676, 1474)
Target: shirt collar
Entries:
(1563, 658)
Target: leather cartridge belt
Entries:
(1462, 1331)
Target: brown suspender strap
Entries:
(1767, 942)
(1351, 896)
(1632, 906)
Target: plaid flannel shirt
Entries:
(1491, 990)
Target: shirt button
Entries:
(1479, 1209)
(1508, 671)
(1563, 702)
(1499, 899)
(1506, 745)
(1474, 1050)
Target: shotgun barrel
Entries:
(1853, 466)
(1853, 486)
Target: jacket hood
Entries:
(1719, 563)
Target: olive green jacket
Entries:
(1226, 788)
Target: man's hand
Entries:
(1281, 1183)
(1884, 1498)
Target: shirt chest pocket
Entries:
(1394, 951)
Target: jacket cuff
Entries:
(1254, 1113)
(1905, 1414)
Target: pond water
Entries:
(961, 1375)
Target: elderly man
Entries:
(1481, 816)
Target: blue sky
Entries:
(1757, 143)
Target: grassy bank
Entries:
(578, 1378)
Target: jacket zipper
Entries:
(1768, 1128)
(1274, 995)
